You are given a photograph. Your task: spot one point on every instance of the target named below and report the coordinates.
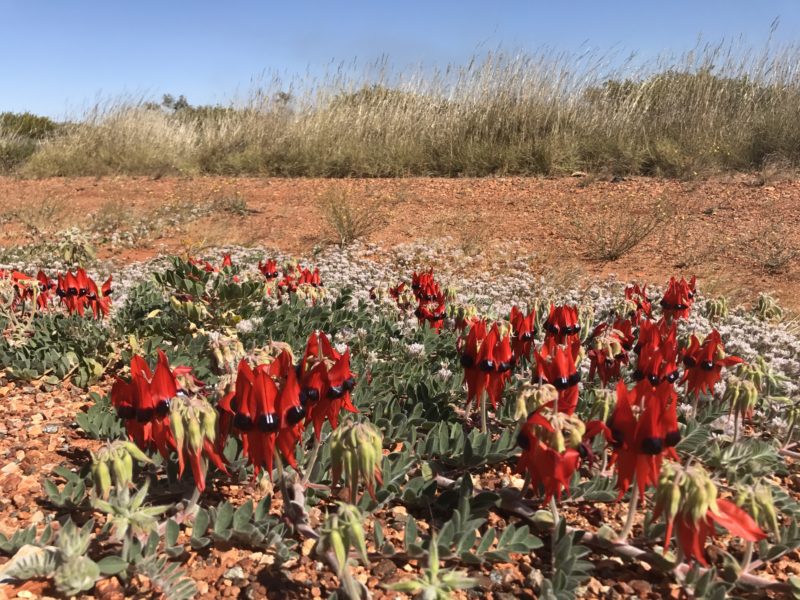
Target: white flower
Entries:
(416, 348)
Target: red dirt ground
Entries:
(716, 228)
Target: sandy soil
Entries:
(723, 230)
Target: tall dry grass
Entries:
(716, 108)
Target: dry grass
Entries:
(347, 219)
(44, 216)
(772, 249)
(712, 109)
(618, 227)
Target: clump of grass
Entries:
(618, 228)
(773, 249)
(44, 215)
(348, 220)
(235, 204)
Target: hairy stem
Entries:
(484, 426)
(634, 504)
(313, 460)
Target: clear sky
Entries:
(60, 56)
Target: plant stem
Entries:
(735, 426)
(484, 427)
(634, 504)
(789, 434)
(748, 556)
(313, 460)
(282, 483)
(554, 534)
(554, 510)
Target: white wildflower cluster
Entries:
(416, 349)
(492, 286)
(444, 373)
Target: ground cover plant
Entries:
(345, 427)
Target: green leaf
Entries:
(111, 565)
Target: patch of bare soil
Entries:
(738, 237)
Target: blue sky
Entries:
(59, 57)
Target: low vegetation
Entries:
(391, 418)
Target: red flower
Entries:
(100, 301)
(487, 360)
(692, 535)
(549, 468)
(678, 299)
(431, 312)
(269, 269)
(144, 403)
(636, 298)
(555, 364)
(638, 443)
(562, 324)
(264, 416)
(301, 276)
(469, 354)
(608, 351)
(326, 382)
(78, 292)
(523, 327)
(704, 363)
(46, 287)
(424, 284)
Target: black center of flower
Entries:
(242, 422)
(527, 336)
(561, 383)
(637, 375)
(617, 436)
(505, 366)
(653, 379)
(349, 383)
(295, 414)
(707, 365)
(467, 361)
(269, 423)
(143, 415)
(126, 412)
(486, 365)
(162, 408)
(652, 445)
(523, 441)
(309, 395)
(672, 376)
(672, 438)
(336, 391)
(689, 361)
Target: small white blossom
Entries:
(416, 348)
